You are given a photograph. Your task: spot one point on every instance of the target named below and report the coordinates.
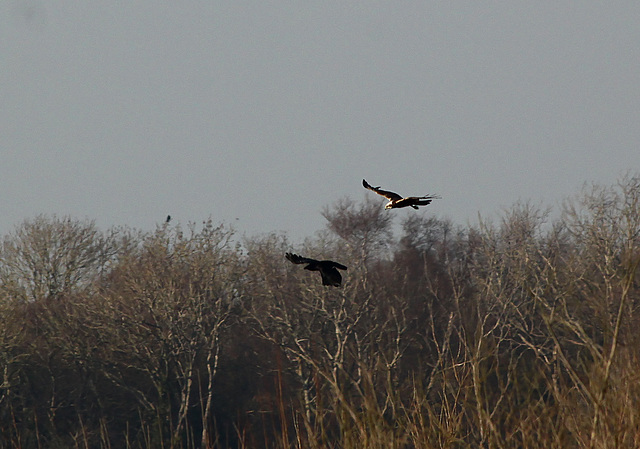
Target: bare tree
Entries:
(171, 301)
(604, 223)
(365, 227)
(47, 257)
(344, 345)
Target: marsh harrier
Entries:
(396, 201)
(327, 268)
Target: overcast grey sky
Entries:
(259, 113)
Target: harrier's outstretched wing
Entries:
(391, 196)
(415, 201)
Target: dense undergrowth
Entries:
(519, 333)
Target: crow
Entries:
(327, 268)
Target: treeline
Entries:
(518, 333)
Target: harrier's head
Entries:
(389, 205)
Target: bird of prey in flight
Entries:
(327, 268)
(396, 201)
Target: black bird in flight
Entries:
(327, 268)
(396, 201)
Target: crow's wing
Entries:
(330, 276)
(298, 259)
(336, 264)
(391, 196)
